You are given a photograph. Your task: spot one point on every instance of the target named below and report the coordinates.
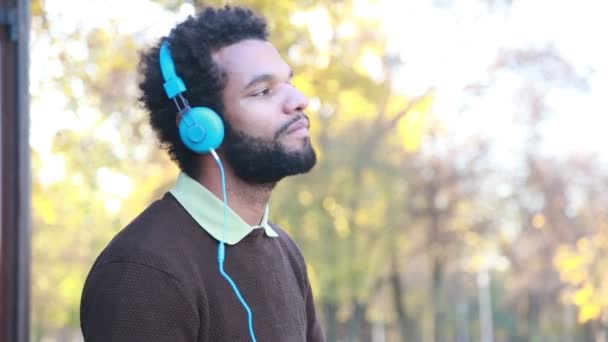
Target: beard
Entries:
(260, 161)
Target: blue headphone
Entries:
(200, 128)
(202, 131)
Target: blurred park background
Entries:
(462, 188)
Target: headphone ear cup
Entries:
(201, 129)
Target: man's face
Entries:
(267, 134)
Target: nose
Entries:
(296, 101)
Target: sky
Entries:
(453, 46)
(445, 44)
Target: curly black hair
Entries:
(192, 44)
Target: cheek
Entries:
(253, 118)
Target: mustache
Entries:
(286, 126)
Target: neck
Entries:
(246, 200)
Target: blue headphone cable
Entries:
(174, 87)
(221, 253)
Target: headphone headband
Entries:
(173, 85)
(200, 128)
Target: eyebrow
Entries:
(264, 78)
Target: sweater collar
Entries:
(208, 211)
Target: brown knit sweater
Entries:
(158, 280)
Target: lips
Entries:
(300, 124)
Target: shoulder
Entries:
(161, 232)
(156, 243)
(158, 264)
(286, 240)
(291, 248)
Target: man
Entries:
(159, 279)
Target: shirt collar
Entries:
(208, 211)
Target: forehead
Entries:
(246, 59)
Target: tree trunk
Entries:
(330, 311)
(407, 330)
(355, 327)
(435, 300)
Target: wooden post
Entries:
(15, 186)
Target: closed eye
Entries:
(263, 92)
